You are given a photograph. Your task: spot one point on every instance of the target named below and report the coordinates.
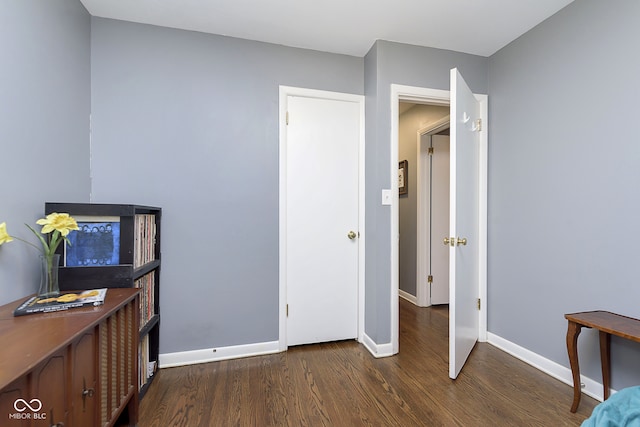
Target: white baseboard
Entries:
(192, 357)
(405, 295)
(182, 358)
(591, 388)
(377, 350)
(169, 360)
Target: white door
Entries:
(464, 232)
(439, 218)
(322, 171)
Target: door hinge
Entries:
(430, 151)
(429, 279)
(287, 310)
(287, 118)
(478, 303)
(478, 126)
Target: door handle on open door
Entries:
(452, 241)
(352, 235)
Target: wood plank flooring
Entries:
(341, 384)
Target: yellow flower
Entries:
(61, 222)
(4, 236)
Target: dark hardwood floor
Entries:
(341, 384)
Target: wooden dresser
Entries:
(77, 368)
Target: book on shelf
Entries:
(146, 284)
(147, 366)
(63, 302)
(144, 239)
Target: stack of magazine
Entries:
(63, 302)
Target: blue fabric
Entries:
(620, 409)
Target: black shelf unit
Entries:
(128, 272)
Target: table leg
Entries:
(605, 352)
(573, 331)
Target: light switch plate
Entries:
(386, 197)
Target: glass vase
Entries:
(49, 286)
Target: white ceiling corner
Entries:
(350, 27)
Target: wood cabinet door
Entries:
(49, 386)
(16, 395)
(83, 388)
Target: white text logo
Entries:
(22, 405)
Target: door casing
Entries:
(286, 91)
(434, 97)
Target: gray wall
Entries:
(189, 122)
(563, 181)
(385, 64)
(44, 124)
(409, 123)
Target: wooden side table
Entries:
(607, 324)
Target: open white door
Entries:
(464, 234)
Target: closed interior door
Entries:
(439, 218)
(322, 170)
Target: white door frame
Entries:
(286, 91)
(423, 296)
(434, 97)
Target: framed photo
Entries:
(96, 243)
(403, 173)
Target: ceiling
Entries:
(350, 27)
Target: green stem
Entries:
(27, 242)
(49, 273)
(50, 276)
(45, 246)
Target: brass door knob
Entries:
(448, 241)
(462, 241)
(352, 235)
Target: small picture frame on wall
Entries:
(403, 171)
